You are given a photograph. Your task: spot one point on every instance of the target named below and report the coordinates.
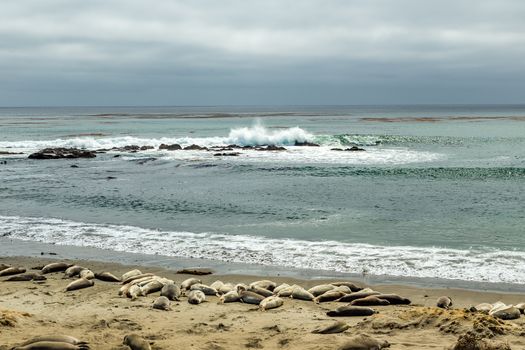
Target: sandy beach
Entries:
(101, 317)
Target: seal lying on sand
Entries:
(359, 295)
(331, 295)
(229, 297)
(87, 274)
(186, 284)
(271, 302)
(136, 342)
(55, 267)
(350, 310)
(162, 303)
(107, 277)
(248, 297)
(130, 274)
(54, 338)
(170, 291)
(370, 301)
(51, 345)
(30, 276)
(321, 289)
(444, 303)
(73, 271)
(364, 342)
(79, 284)
(196, 297)
(336, 327)
(12, 271)
(394, 299)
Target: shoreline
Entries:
(10, 247)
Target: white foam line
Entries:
(481, 265)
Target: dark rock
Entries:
(195, 147)
(59, 153)
(336, 149)
(128, 148)
(116, 156)
(354, 149)
(306, 143)
(74, 166)
(2, 153)
(226, 154)
(271, 148)
(172, 147)
(144, 148)
(111, 178)
(195, 271)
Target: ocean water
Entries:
(438, 192)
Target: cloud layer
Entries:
(133, 52)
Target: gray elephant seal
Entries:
(130, 274)
(331, 295)
(136, 342)
(162, 303)
(79, 284)
(444, 303)
(196, 297)
(30, 276)
(107, 277)
(370, 301)
(204, 288)
(336, 327)
(229, 297)
(271, 302)
(364, 342)
(171, 291)
(4, 266)
(248, 297)
(87, 274)
(54, 338)
(186, 284)
(12, 271)
(350, 285)
(51, 345)
(261, 291)
(394, 299)
(301, 294)
(359, 295)
(350, 310)
(56, 267)
(73, 271)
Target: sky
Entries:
(252, 52)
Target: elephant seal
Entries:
(363, 342)
(87, 274)
(350, 285)
(79, 284)
(521, 307)
(12, 271)
(196, 297)
(204, 288)
(271, 302)
(483, 308)
(505, 312)
(394, 299)
(331, 295)
(107, 277)
(358, 295)
(136, 342)
(73, 271)
(52, 345)
(130, 274)
(280, 287)
(321, 289)
(336, 327)
(4, 266)
(444, 302)
(217, 285)
(301, 294)
(56, 267)
(54, 338)
(261, 291)
(266, 284)
(151, 287)
(370, 301)
(162, 303)
(248, 297)
(134, 292)
(186, 284)
(136, 277)
(350, 310)
(226, 288)
(170, 291)
(229, 297)
(30, 276)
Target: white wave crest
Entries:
(257, 135)
(480, 265)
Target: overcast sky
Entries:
(211, 52)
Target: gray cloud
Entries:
(261, 52)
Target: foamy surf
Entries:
(478, 265)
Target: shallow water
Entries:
(438, 191)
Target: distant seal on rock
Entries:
(12, 271)
(370, 301)
(55, 267)
(171, 291)
(363, 342)
(136, 342)
(107, 277)
(336, 327)
(444, 303)
(350, 310)
(162, 303)
(79, 284)
(196, 297)
(51, 345)
(271, 302)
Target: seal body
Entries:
(12, 271)
(162, 303)
(331, 295)
(80, 284)
(204, 288)
(271, 302)
(30, 276)
(107, 277)
(130, 274)
(321, 289)
(394, 299)
(301, 293)
(350, 285)
(54, 338)
(186, 284)
(363, 342)
(52, 345)
(170, 291)
(350, 310)
(370, 301)
(151, 287)
(55, 267)
(87, 274)
(444, 303)
(336, 327)
(348, 298)
(196, 297)
(266, 284)
(136, 342)
(73, 271)
(229, 297)
(261, 291)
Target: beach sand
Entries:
(102, 317)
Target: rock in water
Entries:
(59, 153)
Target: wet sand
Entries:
(102, 317)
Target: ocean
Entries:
(438, 191)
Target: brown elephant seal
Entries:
(505, 312)
(73, 271)
(301, 294)
(12, 271)
(358, 295)
(79, 284)
(266, 284)
(226, 288)
(217, 285)
(444, 302)
(204, 288)
(351, 310)
(171, 291)
(162, 303)
(196, 297)
(4, 266)
(134, 292)
(56, 267)
(321, 289)
(136, 342)
(394, 299)
(370, 301)
(363, 342)
(151, 287)
(54, 338)
(141, 277)
(350, 285)
(107, 277)
(331, 295)
(52, 345)
(186, 284)
(271, 302)
(248, 297)
(261, 291)
(336, 327)
(129, 274)
(87, 274)
(29, 276)
(230, 297)
(280, 287)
